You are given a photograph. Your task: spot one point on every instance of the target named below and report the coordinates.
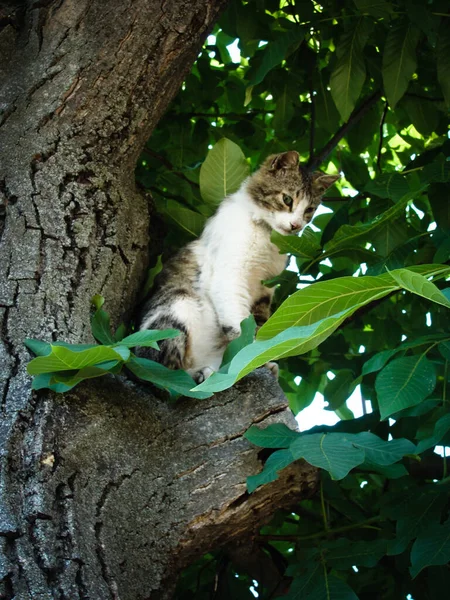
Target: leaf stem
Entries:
(322, 505)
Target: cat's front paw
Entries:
(230, 332)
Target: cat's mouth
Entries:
(286, 231)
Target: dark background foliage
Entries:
(361, 88)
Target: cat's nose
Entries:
(295, 226)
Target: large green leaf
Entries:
(248, 328)
(388, 185)
(377, 8)
(64, 359)
(381, 452)
(349, 73)
(292, 341)
(277, 435)
(404, 382)
(326, 112)
(306, 246)
(148, 337)
(318, 585)
(186, 219)
(325, 298)
(441, 428)
(432, 547)
(175, 382)
(443, 59)
(399, 59)
(101, 327)
(418, 284)
(343, 553)
(339, 389)
(349, 236)
(274, 52)
(274, 464)
(223, 171)
(333, 452)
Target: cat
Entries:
(215, 282)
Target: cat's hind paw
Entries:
(202, 374)
(273, 368)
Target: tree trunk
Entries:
(107, 492)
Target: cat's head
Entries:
(285, 194)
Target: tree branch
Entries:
(356, 115)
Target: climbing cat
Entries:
(213, 283)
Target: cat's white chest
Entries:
(264, 258)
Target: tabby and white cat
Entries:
(212, 284)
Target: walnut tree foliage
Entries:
(361, 88)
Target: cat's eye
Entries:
(287, 200)
(309, 210)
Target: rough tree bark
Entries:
(108, 492)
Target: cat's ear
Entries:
(321, 182)
(287, 160)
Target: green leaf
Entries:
(248, 328)
(349, 73)
(120, 332)
(432, 547)
(43, 381)
(223, 171)
(333, 452)
(381, 452)
(376, 8)
(388, 185)
(326, 112)
(277, 435)
(38, 347)
(443, 59)
(324, 299)
(399, 59)
(441, 428)
(349, 236)
(274, 464)
(295, 340)
(377, 362)
(339, 389)
(149, 337)
(415, 512)
(101, 327)
(70, 380)
(404, 382)
(342, 554)
(274, 52)
(97, 301)
(152, 273)
(306, 246)
(418, 284)
(178, 382)
(423, 114)
(186, 219)
(318, 585)
(63, 359)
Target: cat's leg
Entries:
(231, 299)
(261, 311)
(261, 307)
(206, 344)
